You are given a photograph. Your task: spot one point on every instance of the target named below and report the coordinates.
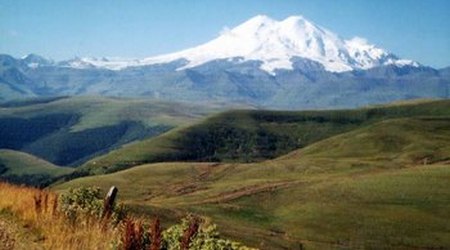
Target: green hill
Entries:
(406, 141)
(19, 167)
(381, 186)
(254, 135)
(69, 131)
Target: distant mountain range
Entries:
(288, 64)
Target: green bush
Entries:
(87, 201)
(207, 237)
(81, 201)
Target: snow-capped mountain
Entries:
(274, 44)
(33, 61)
(288, 64)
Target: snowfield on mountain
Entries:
(274, 43)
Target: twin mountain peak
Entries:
(274, 44)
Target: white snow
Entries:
(274, 43)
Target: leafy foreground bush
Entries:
(83, 201)
(202, 236)
(77, 220)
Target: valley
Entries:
(69, 131)
(290, 64)
(210, 125)
(254, 135)
(367, 188)
(374, 177)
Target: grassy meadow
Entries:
(42, 226)
(80, 219)
(381, 186)
(371, 178)
(22, 168)
(68, 131)
(254, 135)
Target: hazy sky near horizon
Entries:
(62, 29)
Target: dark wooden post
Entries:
(108, 203)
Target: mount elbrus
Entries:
(288, 64)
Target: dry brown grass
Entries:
(38, 209)
(55, 228)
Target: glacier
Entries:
(275, 44)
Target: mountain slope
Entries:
(69, 131)
(288, 64)
(256, 135)
(275, 44)
(13, 82)
(307, 86)
(23, 168)
(316, 195)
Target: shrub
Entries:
(206, 237)
(74, 220)
(81, 201)
(87, 201)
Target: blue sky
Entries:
(62, 29)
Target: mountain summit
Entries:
(287, 64)
(275, 43)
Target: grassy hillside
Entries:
(24, 168)
(254, 135)
(406, 141)
(69, 131)
(382, 186)
(33, 218)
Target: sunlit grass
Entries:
(323, 196)
(38, 209)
